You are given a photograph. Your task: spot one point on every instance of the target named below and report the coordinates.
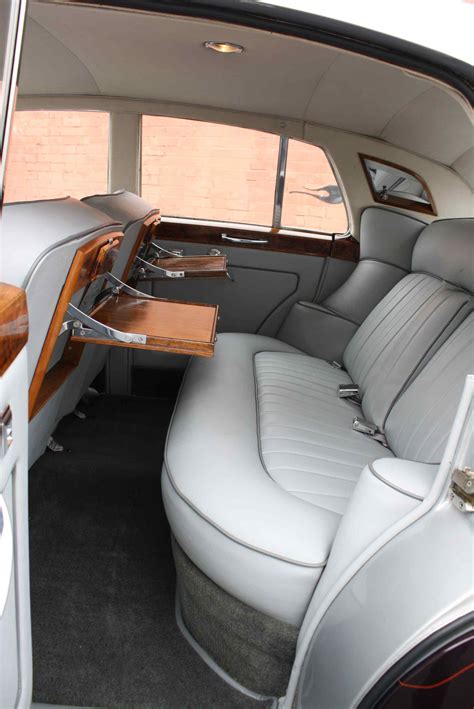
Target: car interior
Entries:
(248, 262)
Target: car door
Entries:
(15, 626)
(271, 204)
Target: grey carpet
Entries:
(102, 574)
(255, 649)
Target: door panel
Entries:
(266, 279)
(261, 284)
(15, 634)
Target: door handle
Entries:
(240, 240)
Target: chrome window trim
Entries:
(10, 76)
(280, 182)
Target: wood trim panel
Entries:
(170, 325)
(345, 249)
(398, 201)
(13, 324)
(145, 235)
(193, 266)
(277, 241)
(83, 269)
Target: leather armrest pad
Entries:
(317, 331)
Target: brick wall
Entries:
(57, 153)
(189, 168)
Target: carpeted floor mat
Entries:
(102, 574)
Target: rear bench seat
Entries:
(261, 457)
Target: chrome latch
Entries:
(363, 426)
(346, 391)
(461, 491)
(6, 431)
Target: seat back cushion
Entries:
(387, 240)
(128, 209)
(446, 249)
(412, 321)
(39, 242)
(419, 424)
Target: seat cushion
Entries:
(252, 497)
(305, 431)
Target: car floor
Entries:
(102, 572)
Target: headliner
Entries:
(88, 51)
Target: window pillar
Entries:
(124, 152)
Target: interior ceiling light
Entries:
(224, 47)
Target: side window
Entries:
(312, 199)
(57, 153)
(209, 171)
(397, 186)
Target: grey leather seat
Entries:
(261, 457)
(39, 242)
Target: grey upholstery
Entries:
(128, 209)
(309, 450)
(318, 331)
(387, 240)
(386, 248)
(419, 423)
(39, 242)
(389, 237)
(394, 339)
(225, 510)
(446, 249)
(261, 458)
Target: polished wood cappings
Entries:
(104, 260)
(399, 200)
(145, 235)
(344, 248)
(169, 326)
(13, 324)
(89, 262)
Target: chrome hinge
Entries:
(461, 491)
(6, 431)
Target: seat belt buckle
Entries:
(345, 391)
(336, 365)
(363, 426)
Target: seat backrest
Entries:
(415, 317)
(387, 240)
(39, 242)
(134, 213)
(419, 423)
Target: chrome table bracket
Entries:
(121, 287)
(159, 250)
(87, 328)
(147, 267)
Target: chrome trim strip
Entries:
(280, 182)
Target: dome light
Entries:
(224, 47)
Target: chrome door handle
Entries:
(239, 240)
